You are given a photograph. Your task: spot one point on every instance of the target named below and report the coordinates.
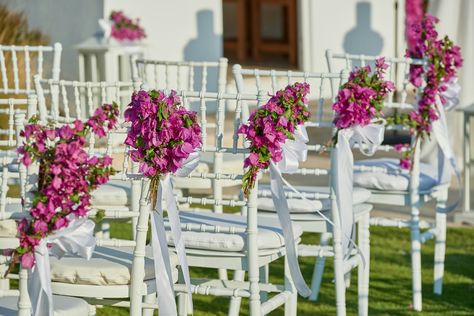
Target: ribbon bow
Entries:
(106, 27)
(77, 239)
(164, 277)
(369, 136)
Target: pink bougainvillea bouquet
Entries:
(67, 176)
(124, 28)
(270, 126)
(163, 134)
(360, 100)
(443, 60)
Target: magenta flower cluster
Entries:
(124, 28)
(270, 126)
(360, 99)
(163, 133)
(67, 175)
(413, 14)
(443, 61)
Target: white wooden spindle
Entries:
(204, 77)
(4, 70)
(65, 102)
(39, 64)
(27, 69)
(16, 80)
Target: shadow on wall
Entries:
(207, 46)
(362, 39)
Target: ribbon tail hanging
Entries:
(175, 223)
(441, 133)
(163, 277)
(343, 188)
(39, 288)
(281, 206)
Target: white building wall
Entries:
(177, 30)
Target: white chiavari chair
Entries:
(391, 185)
(106, 279)
(18, 65)
(65, 101)
(17, 301)
(228, 241)
(320, 129)
(200, 76)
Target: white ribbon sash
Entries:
(106, 27)
(369, 136)
(293, 152)
(441, 133)
(164, 277)
(77, 239)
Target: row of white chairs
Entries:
(64, 106)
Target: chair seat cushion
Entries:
(63, 306)
(269, 232)
(8, 228)
(396, 179)
(360, 195)
(113, 193)
(108, 266)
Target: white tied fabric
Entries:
(369, 136)
(451, 95)
(106, 27)
(294, 151)
(441, 133)
(164, 277)
(77, 239)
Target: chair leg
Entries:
(416, 257)
(150, 298)
(339, 278)
(264, 275)
(105, 227)
(347, 279)
(319, 269)
(291, 304)
(364, 270)
(440, 245)
(234, 306)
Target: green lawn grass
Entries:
(390, 278)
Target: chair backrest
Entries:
(319, 127)
(397, 72)
(210, 76)
(223, 127)
(18, 65)
(74, 99)
(402, 99)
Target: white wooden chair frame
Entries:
(70, 100)
(109, 294)
(414, 196)
(251, 259)
(312, 222)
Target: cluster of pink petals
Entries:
(360, 99)
(124, 28)
(413, 14)
(444, 59)
(270, 126)
(163, 133)
(67, 175)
